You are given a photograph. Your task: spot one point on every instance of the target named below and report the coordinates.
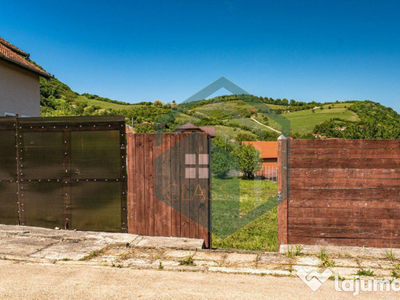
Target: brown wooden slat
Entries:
(344, 173)
(341, 144)
(354, 233)
(158, 207)
(166, 177)
(381, 243)
(140, 208)
(204, 208)
(194, 187)
(372, 193)
(185, 186)
(322, 182)
(175, 191)
(131, 147)
(351, 203)
(344, 222)
(345, 153)
(355, 213)
(149, 182)
(357, 163)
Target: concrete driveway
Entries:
(54, 281)
(37, 263)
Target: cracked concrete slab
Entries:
(23, 246)
(241, 258)
(43, 243)
(166, 242)
(121, 250)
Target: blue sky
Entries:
(145, 50)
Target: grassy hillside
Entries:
(305, 121)
(233, 115)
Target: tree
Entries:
(241, 137)
(249, 160)
(222, 161)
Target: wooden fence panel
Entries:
(168, 191)
(341, 192)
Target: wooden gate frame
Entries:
(149, 215)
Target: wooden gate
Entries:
(169, 185)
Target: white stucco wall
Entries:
(19, 91)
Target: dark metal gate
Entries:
(65, 172)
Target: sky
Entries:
(137, 51)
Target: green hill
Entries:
(236, 117)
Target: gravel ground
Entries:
(85, 281)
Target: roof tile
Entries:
(15, 55)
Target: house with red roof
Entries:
(189, 127)
(269, 155)
(19, 82)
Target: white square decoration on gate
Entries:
(202, 166)
(190, 159)
(203, 159)
(190, 173)
(203, 173)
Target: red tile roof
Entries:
(210, 130)
(267, 149)
(187, 126)
(15, 55)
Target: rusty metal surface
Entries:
(67, 172)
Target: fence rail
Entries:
(269, 173)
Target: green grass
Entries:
(250, 123)
(106, 105)
(244, 214)
(301, 121)
(363, 272)
(230, 132)
(325, 259)
(261, 234)
(305, 121)
(187, 261)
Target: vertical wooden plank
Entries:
(283, 191)
(196, 187)
(148, 183)
(140, 206)
(204, 230)
(185, 186)
(145, 182)
(131, 149)
(158, 144)
(174, 188)
(166, 178)
(193, 207)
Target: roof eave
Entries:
(40, 73)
